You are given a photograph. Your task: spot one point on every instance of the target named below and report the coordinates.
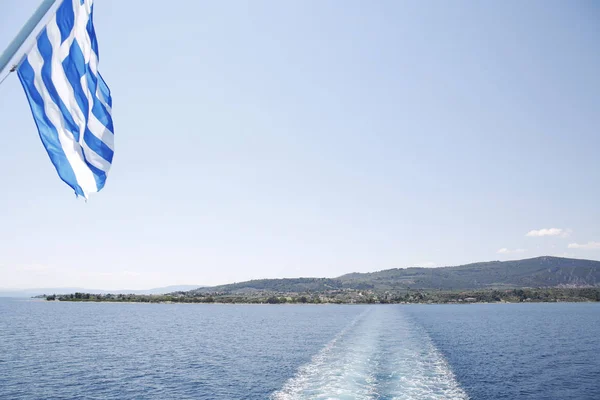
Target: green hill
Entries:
(533, 272)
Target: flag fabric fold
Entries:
(70, 102)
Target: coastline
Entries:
(350, 297)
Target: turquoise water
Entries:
(51, 350)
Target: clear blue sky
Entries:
(314, 138)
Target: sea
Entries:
(61, 350)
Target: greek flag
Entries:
(70, 102)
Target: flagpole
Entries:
(24, 34)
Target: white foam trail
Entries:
(382, 354)
(343, 369)
(415, 368)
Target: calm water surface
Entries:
(52, 350)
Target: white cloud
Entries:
(549, 232)
(504, 250)
(585, 246)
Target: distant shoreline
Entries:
(350, 296)
(322, 304)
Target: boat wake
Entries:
(382, 354)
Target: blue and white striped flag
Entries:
(70, 102)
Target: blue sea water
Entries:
(53, 350)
